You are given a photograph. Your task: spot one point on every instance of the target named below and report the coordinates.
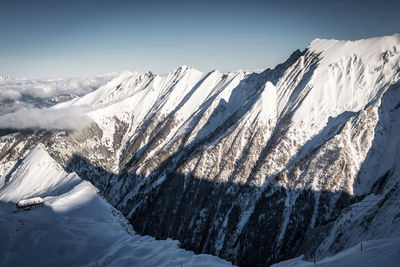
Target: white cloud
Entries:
(9, 94)
(44, 88)
(26, 103)
(46, 118)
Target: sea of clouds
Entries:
(45, 88)
(17, 114)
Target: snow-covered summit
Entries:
(369, 48)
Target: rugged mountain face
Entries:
(253, 167)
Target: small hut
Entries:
(24, 203)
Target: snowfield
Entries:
(375, 253)
(76, 226)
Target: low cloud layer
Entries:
(13, 90)
(27, 103)
(46, 118)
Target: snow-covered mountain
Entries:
(76, 227)
(254, 167)
(6, 78)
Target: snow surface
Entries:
(76, 226)
(375, 253)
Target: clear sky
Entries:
(50, 38)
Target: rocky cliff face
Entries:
(254, 168)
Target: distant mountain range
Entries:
(6, 78)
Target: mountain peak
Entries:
(184, 67)
(183, 70)
(6, 78)
(363, 47)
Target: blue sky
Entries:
(49, 38)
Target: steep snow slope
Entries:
(76, 226)
(38, 175)
(253, 167)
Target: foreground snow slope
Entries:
(381, 252)
(76, 227)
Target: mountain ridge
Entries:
(253, 167)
